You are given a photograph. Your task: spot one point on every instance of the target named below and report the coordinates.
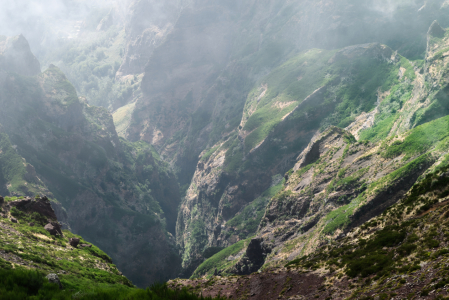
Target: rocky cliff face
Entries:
(147, 24)
(339, 183)
(356, 214)
(277, 124)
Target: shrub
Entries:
(25, 284)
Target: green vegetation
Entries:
(340, 217)
(247, 221)
(404, 235)
(234, 155)
(287, 86)
(420, 139)
(22, 284)
(346, 182)
(209, 152)
(220, 260)
(346, 93)
(50, 253)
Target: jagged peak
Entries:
(436, 30)
(16, 56)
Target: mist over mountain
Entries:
(282, 142)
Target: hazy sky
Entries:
(42, 21)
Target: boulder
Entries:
(31, 224)
(53, 228)
(74, 242)
(14, 220)
(53, 278)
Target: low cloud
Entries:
(390, 6)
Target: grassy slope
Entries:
(36, 248)
(29, 253)
(416, 148)
(349, 92)
(220, 260)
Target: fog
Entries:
(42, 22)
(388, 7)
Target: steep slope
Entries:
(16, 56)
(401, 253)
(26, 243)
(201, 74)
(117, 194)
(38, 260)
(339, 183)
(305, 95)
(197, 82)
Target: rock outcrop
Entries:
(53, 228)
(41, 205)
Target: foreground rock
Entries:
(54, 228)
(74, 242)
(53, 278)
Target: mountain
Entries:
(200, 138)
(117, 194)
(362, 214)
(400, 253)
(201, 85)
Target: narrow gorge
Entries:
(256, 149)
